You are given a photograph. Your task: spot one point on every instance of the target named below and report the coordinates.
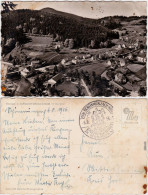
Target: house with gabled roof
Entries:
(55, 79)
(141, 57)
(122, 62)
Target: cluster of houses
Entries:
(122, 72)
(77, 60)
(124, 42)
(125, 75)
(130, 39)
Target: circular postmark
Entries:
(96, 119)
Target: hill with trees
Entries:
(59, 24)
(62, 26)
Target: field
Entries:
(98, 68)
(42, 48)
(40, 41)
(38, 46)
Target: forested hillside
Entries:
(61, 25)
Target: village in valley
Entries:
(48, 65)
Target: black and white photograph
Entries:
(74, 49)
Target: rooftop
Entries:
(135, 67)
(142, 55)
(57, 77)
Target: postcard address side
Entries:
(46, 149)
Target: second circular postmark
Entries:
(96, 119)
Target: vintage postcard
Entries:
(73, 146)
(74, 48)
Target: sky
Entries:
(90, 9)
